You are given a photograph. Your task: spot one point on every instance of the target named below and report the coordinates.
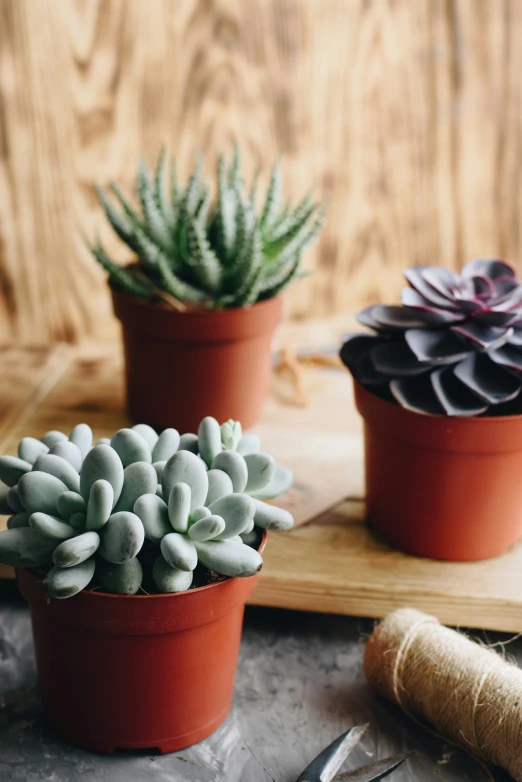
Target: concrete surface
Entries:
(299, 685)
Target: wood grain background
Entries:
(405, 114)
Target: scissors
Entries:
(327, 764)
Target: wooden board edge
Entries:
(349, 600)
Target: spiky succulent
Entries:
(138, 507)
(454, 347)
(207, 251)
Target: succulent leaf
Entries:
(154, 515)
(76, 550)
(417, 395)
(487, 380)
(188, 468)
(124, 278)
(229, 558)
(235, 466)
(60, 468)
(157, 227)
(160, 190)
(121, 537)
(130, 447)
(124, 579)
(169, 579)
(70, 452)
(179, 551)
(51, 527)
(273, 198)
(231, 434)
(29, 449)
(12, 469)
(279, 484)
(202, 258)
(119, 222)
(81, 437)
(454, 396)
(166, 445)
(61, 582)
(138, 478)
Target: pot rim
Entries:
(189, 312)
(143, 321)
(457, 434)
(165, 595)
(472, 420)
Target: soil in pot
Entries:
(182, 366)
(143, 671)
(441, 487)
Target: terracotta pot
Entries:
(182, 366)
(119, 671)
(440, 487)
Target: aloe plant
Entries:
(453, 348)
(139, 506)
(203, 249)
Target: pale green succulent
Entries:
(204, 250)
(88, 511)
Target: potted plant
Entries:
(146, 537)
(438, 382)
(202, 297)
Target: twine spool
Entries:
(466, 692)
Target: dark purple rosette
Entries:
(454, 346)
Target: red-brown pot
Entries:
(441, 487)
(183, 366)
(119, 671)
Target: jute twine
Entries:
(469, 694)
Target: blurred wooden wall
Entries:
(406, 114)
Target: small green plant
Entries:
(204, 250)
(139, 507)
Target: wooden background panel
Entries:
(405, 115)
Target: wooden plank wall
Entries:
(406, 114)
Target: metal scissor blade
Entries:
(326, 765)
(374, 772)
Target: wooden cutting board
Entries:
(331, 562)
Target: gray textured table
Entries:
(299, 685)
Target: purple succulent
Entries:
(454, 347)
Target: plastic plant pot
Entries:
(121, 672)
(442, 487)
(182, 366)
